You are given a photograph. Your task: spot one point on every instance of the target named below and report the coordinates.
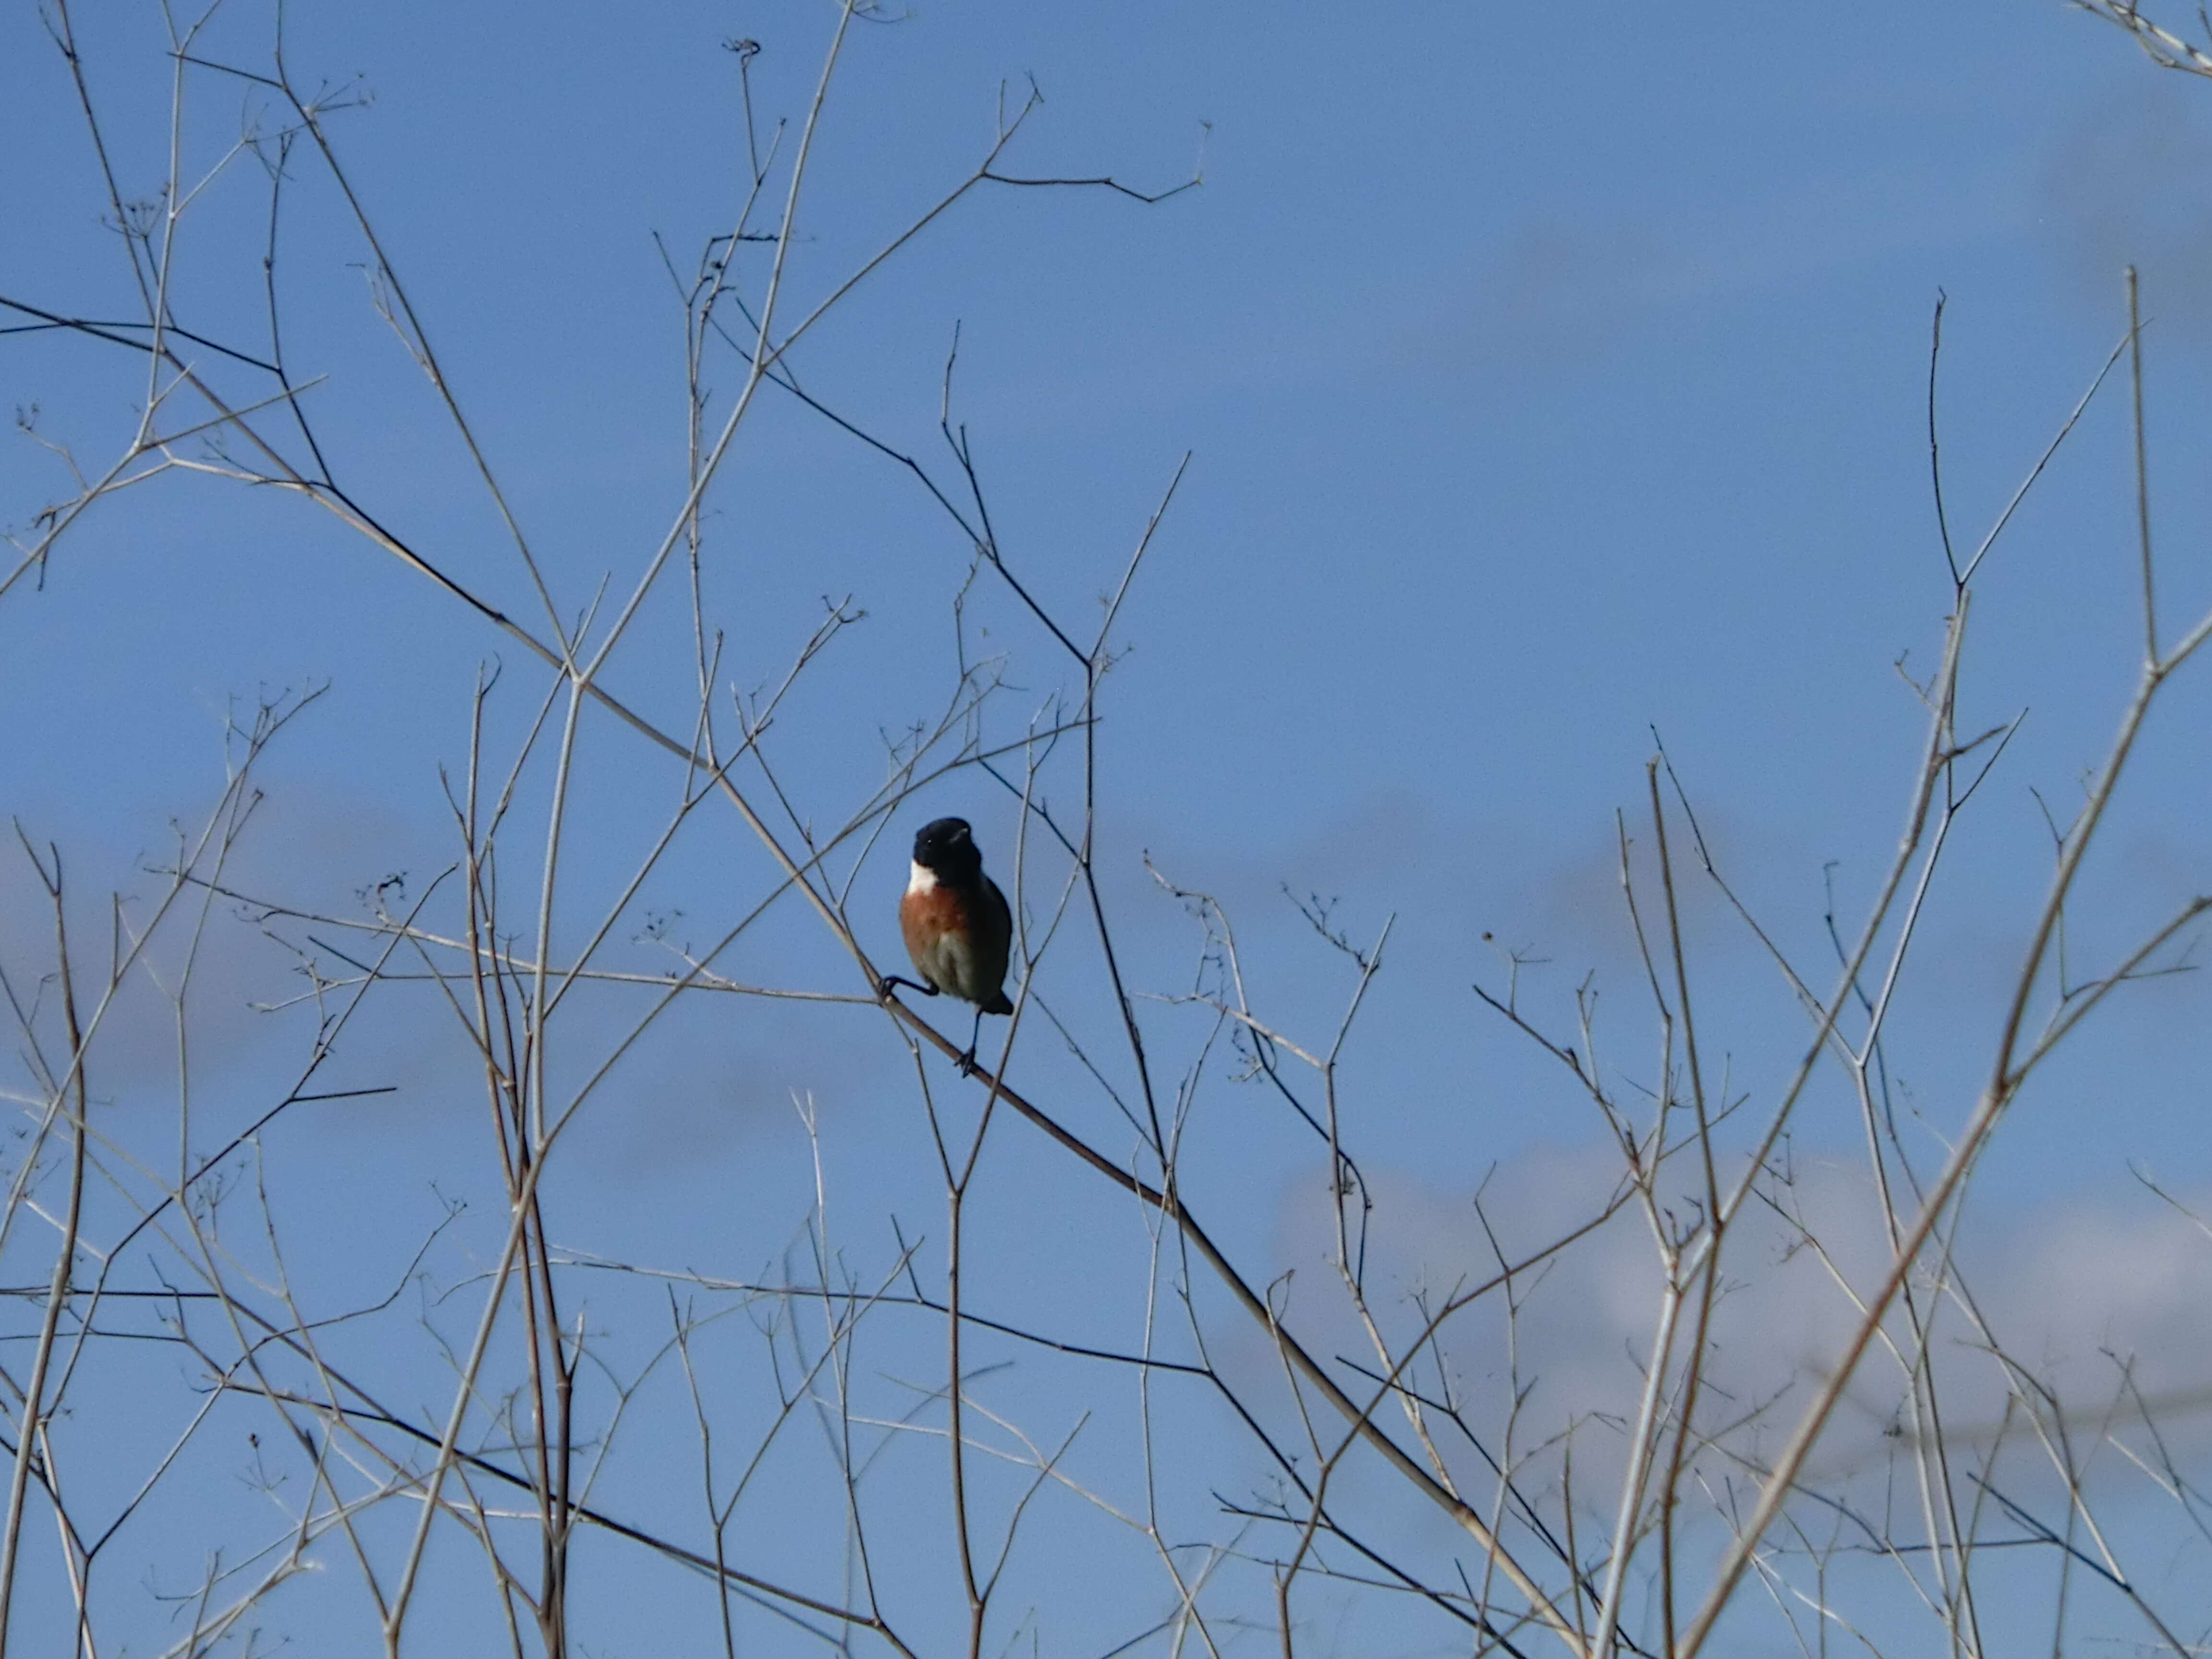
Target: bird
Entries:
(957, 928)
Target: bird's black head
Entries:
(946, 847)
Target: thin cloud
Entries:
(2096, 1298)
(2118, 189)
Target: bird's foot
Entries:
(967, 1063)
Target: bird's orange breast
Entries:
(927, 918)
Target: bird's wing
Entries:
(995, 931)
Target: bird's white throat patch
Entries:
(922, 880)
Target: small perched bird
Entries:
(957, 928)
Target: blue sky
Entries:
(1546, 381)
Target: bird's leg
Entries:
(966, 1062)
(890, 982)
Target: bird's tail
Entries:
(998, 1004)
